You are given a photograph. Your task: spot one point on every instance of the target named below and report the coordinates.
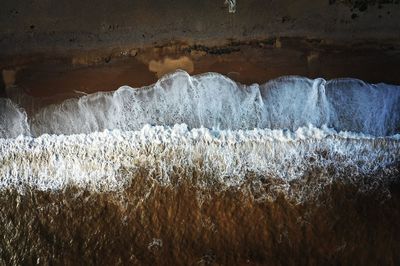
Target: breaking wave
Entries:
(214, 101)
(13, 120)
(207, 128)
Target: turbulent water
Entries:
(201, 170)
(207, 125)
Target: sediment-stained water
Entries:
(200, 169)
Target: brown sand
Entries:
(251, 62)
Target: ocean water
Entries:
(201, 170)
(206, 124)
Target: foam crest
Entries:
(214, 101)
(13, 120)
(108, 160)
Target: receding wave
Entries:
(205, 128)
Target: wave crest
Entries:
(214, 101)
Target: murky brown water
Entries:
(148, 224)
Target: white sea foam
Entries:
(214, 101)
(13, 120)
(103, 160)
(205, 124)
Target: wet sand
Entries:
(61, 77)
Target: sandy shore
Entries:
(70, 75)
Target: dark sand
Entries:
(71, 75)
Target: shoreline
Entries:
(61, 77)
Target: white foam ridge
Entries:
(13, 120)
(106, 161)
(214, 101)
(206, 126)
